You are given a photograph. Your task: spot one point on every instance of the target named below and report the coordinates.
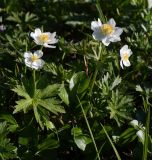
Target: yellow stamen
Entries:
(34, 58)
(106, 29)
(44, 37)
(125, 57)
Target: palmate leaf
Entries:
(42, 100)
(120, 107)
(7, 150)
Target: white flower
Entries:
(141, 135)
(46, 39)
(125, 53)
(34, 60)
(107, 32)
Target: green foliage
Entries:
(80, 139)
(80, 104)
(7, 149)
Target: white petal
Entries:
(52, 35)
(52, 41)
(38, 53)
(38, 64)
(124, 49)
(106, 41)
(118, 31)
(28, 62)
(114, 38)
(99, 22)
(27, 54)
(37, 31)
(98, 36)
(32, 34)
(129, 52)
(95, 25)
(37, 41)
(49, 46)
(121, 64)
(112, 22)
(126, 63)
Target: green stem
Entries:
(89, 128)
(145, 147)
(102, 17)
(34, 82)
(94, 78)
(2, 156)
(41, 48)
(113, 146)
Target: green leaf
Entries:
(120, 107)
(49, 143)
(30, 17)
(138, 88)
(7, 149)
(49, 91)
(116, 82)
(64, 95)
(79, 138)
(37, 116)
(52, 105)
(20, 90)
(79, 82)
(22, 104)
(49, 125)
(128, 136)
(10, 120)
(23, 141)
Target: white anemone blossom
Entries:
(107, 32)
(34, 60)
(125, 53)
(46, 39)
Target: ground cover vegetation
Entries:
(75, 79)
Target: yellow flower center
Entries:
(34, 58)
(125, 57)
(44, 37)
(106, 29)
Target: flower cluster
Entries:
(107, 33)
(45, 39)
